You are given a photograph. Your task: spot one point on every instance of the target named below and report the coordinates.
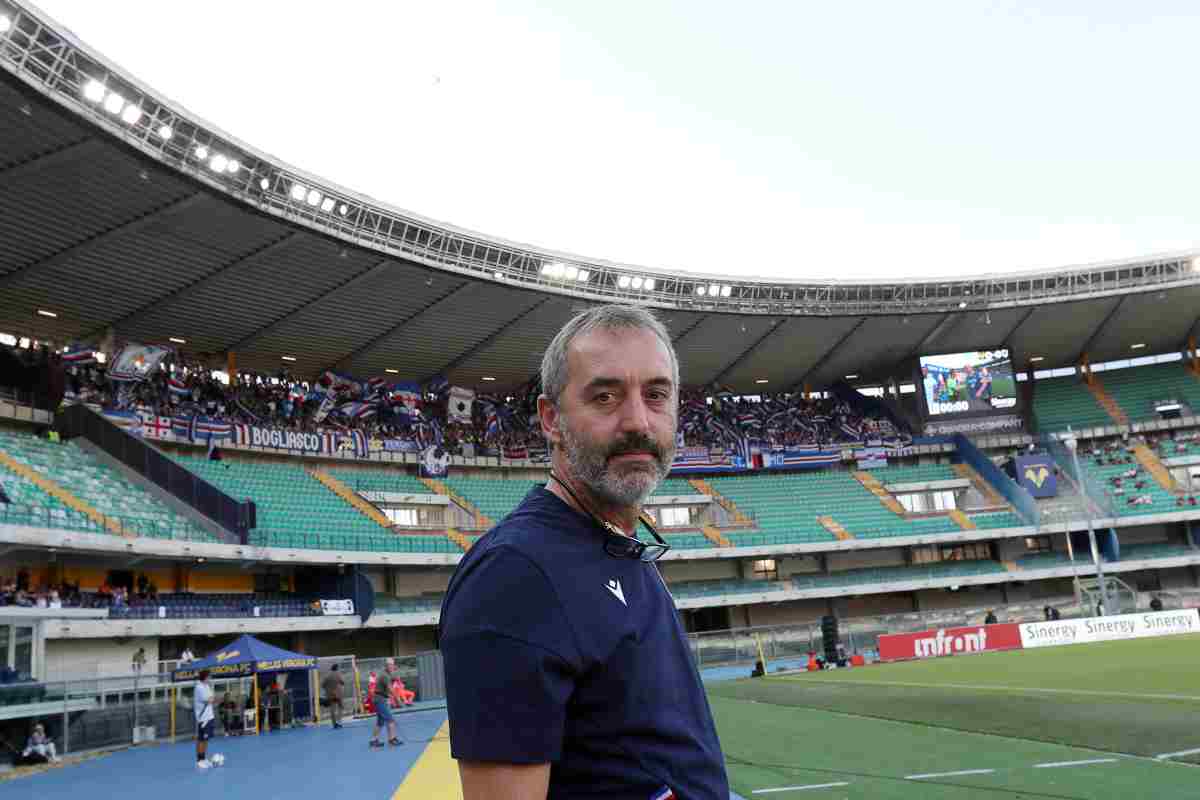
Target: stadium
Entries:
(238, 400)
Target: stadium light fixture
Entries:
(177, 340)
(713, 290)
(165, 132)
(5, 23)
(343, 209)
(218, 163)
(392, 371)
(327, 205)
(94, 90)
(202, 153)
(572, 272)
(101, 358)
(488, 378)
(44, 313)
(233, 166)
(763, 380)
(637, 282)
(583, 276)
(851, 377)
(701, 291)
(497, 274)
(649, 284)
(23, 343)
(131, 114)
(623, 282)
(8, 340)
(962, 303)
(547, 268)
(313, 197)
(726, 291)
(113, 103)
(1137, 346)
(288, 358)
(1036, 359)
(298, 192)
(264, 184)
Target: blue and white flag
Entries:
(135, 362)
(458, 409)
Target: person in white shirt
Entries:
(186, 657)
(39, 746)
(202, 703)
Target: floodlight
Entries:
(649, 284)
(313, 197)
(202, 153)
(114, 103)
(497, 274)
(343, 209)
(218, 163)
(572, 273)
(327, 205)
(761, 380)
(547, 269)
(1137, 346)
(701, 291)
(165, 132)
(584, 275)
(298, 192)
(131, 114)
(233, 166)
(560, 269)
(851, 377)
(1035, 359)
(264, 184)
(962, 303)
(637, 282)
(8, 340)
(726, 291)
(713, 290)
(623, 282)
(288, 358)
(5, 23)
(94, 91)
(44, 313)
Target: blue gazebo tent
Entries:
(245, 657)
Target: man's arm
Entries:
(483, 780)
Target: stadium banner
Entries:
(135, 362)
(1036, 475)
(985, 425)
(127, 421)
(253, 436)
(705, 459)
(949, 642)
(458, 409)
(337, 608)
(871, 458)
(1105, 629)
(435, 462)
(800, 457)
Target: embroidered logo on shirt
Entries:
(614, 586)
(664, 793)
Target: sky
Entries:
(802, 140)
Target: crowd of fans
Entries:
(1131, 484)
(497, 425)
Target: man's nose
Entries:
(635, 415)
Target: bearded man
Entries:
(568, 673)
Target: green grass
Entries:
(872, 727)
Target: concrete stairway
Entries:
(962, 520)
(702, 486)
(1153, 464)
(715, 536)
(872, 485)
(437, 487)
(1106, 401)
(832, 525)
(343, 491)
(986, 489)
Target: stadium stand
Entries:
(97, 485)
(1136, 389)
(295, 510)
(1062, 402)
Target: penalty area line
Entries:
(801, 788)
(998, 688)
(954, 774)
(1178, 754)
(1084, 763)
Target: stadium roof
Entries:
(110, 225)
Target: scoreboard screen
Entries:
(968, 383)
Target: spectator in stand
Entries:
(39, 749)
(990, 619)
(1156, 603)
(139, 660)
(186, 657)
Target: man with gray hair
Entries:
(567, 670)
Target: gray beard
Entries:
(627, 488)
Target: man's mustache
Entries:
(636, 443)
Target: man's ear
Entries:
(549, 416)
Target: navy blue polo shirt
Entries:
(557, 652)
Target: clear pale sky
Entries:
(793, 139)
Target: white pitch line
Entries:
(1084, 763)
(1192, 752)
(949, 774)
(997, 688)
(801, 788)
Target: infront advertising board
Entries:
(949, 642)
(1105, 629)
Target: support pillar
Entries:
(231, 366)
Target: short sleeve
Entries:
(510, 662)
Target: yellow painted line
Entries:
(434, 776)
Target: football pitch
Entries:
(1086, 722)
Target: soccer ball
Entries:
(216, 759)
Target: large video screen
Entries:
(968, 383)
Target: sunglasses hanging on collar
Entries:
(616, 543)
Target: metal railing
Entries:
(64, 518)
